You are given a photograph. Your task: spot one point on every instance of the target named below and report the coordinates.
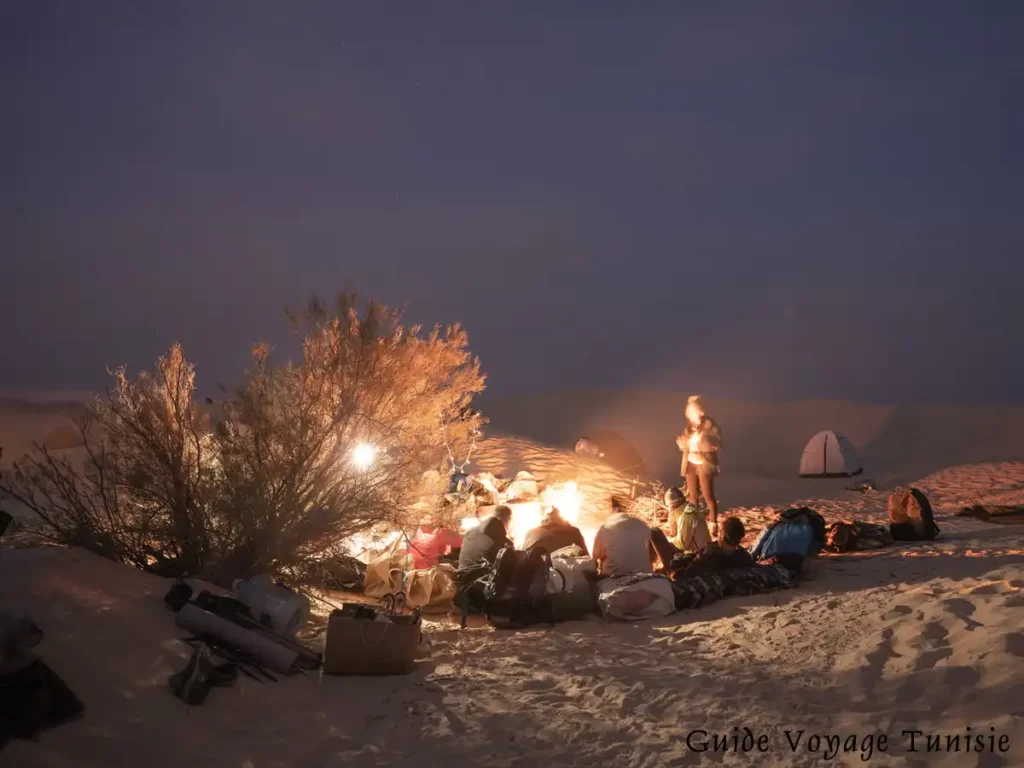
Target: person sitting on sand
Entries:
(429, 544)
(700, 443)
(554, 533)
(483, 543)
(719, 555)
(622, 545)
(687, 525)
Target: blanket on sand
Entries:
(695, 591)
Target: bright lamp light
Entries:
(363, 455)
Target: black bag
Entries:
(911, 517)
(33, 699)
(179, 594)
(515, 593)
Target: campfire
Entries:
(528, 509)
(565, 497)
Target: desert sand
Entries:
(921, 637)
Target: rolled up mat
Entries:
(265, 651)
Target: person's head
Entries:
(618, 506)
(553, 517)
(674, 498)
(695, 409)
(504, 514)
(731, 532)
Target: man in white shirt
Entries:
(623, 545)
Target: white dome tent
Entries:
(829, 455)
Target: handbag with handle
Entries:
(358, 646)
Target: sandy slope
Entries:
(763, 442)
(925, 638)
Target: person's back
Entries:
(429, 545)
(554, 534)
(724, 554)
(623, 546)
(715, 558)
(482, 544)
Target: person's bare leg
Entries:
(692, 484)
(707, 487)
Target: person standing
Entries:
(701, 444)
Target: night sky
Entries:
(757, 201)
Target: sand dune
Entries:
(914, 638)
(924, 638)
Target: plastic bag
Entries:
(430, 588)
(385, 573)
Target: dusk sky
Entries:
(759, 201)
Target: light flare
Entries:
(566, 497)
(363, 455)
(525, 517)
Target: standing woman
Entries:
(700, 443)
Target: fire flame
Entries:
(566, 497)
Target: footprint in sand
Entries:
(896, 612)
(932, 645)
(962, 609)
(984, 589)
(1014, 643)
(539, 684)
(1014, 601)
(962, 677)
(929, 659)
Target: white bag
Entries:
(631, 598)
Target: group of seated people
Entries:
(623, 545)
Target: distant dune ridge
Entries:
(763, 442)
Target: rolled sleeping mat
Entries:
(263, 650)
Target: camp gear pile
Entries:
(911, 517)
(855, 536)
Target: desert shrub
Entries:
(649, 505)
(136, 491)
(270, 484)
(290, 487)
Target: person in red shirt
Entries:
(429, 544)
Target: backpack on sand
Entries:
(516, 591)
(910, 516)
(797, 532)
